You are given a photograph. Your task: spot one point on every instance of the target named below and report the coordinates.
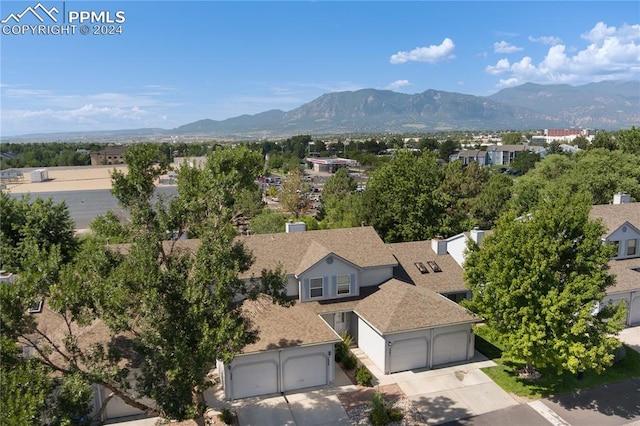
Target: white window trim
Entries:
(311, 288)
(348, 285)
(635, 247)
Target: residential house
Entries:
(347, 280)
(622, 221)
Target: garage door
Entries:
(251, 379)
(408, 354)
(450, 347)
(305, 371)
(634, 310)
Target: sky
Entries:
(169, 63)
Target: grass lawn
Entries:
(550, 383)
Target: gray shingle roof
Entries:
(397, 306)
(627, 274)
(450, 280)
(614, 215)
(298, 251)
(281, 327)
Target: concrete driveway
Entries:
(441, 395)
(631, 337)
(312, 407)
(450, 393)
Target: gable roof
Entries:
(615, 215)
(627, 273)
(300, 250)
(281, 327)
(450, 280)
(397, 306)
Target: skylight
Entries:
(434, 266)
(36, 307)
(423, 269)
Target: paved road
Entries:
(609, 405)
(613, 404)
(85, 205)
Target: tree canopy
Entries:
(536, 280)
(164, 310)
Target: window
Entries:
(344, 284)
(434, 266)
(632, 247)
(616, 250)
(316, 286)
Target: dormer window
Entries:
(316, 287)
(632, 247)
(344, 284)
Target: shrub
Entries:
(342, 348)
(363, 376)
(226, 416)
(349, 362)
(395, 415)
(379, 414)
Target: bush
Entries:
(379, 414)
(342, 348)
(349, 362)
(363, 376)
(395, 415)
(226, 416)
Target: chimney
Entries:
(439, 245)
(291, 227)
(621, 198)
(477, 235)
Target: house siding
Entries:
(375, 276)
(329, 272)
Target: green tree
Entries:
(525, 161)
(268, 222)
(536, 280)
(581, 142)
(402, 201)
(169, 308)
(555, 148)
(512, 138)
(446, 149)
(604, 140)
(294, 196)
(629, 140)
(39, 222)
(337, 187)
(492, 201)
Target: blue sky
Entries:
(178, 62)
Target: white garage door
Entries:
(116, 407)
(634, 310)
(450, 347)
(305, 371)
(251, 379)
(408, 354)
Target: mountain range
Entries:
(607, 105)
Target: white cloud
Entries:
(505, 47)
(431, 54)
(398, 84)
(613, 53)
(545, 40)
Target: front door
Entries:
(340, 322)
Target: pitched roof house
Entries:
(346, 280)
(622, 220)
